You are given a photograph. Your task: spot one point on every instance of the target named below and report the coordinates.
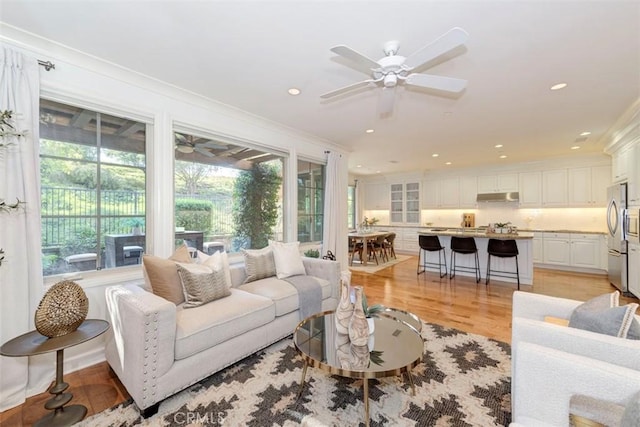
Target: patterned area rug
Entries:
(372, 267)
(463, 380)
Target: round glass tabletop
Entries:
(394, 347)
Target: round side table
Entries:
(33, 343)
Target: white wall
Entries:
(92, 83)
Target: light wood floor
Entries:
(459, 303)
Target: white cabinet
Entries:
(573, 250)
(588, 186)
(376, 196)
(554, 188)
(585, 250)
(431, 194)
(537, 249)
(397, 203)
(468, 191)
(556, 248)
(498, 183)
(412, 203)
(530, 189)
(634, 269)
(620, 162)
(405, 203)
(633, 188)
(449, 193)
(600, 180)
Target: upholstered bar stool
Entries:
(464, 246)
(431, 244)
(502, 249)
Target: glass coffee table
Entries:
(394, 348)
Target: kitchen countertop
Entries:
(474, 232)
(527, 230)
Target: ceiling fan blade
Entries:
(437, 50)
(204, 151)
(216, 145)
(430, 81)
(354, 56)
(347, 88)
(387, 100)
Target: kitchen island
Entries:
(524, 241)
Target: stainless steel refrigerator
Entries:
(616, 240)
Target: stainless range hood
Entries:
(513, 196)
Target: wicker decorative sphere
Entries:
(62, 309)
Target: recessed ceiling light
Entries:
(369, 131)
(504, 156)
(585, 134)
(377, 171)
(294, 91)
(575, 147)
(435, 155)
(498, 146)
(447, 163)
(358, 166)
(558, 86)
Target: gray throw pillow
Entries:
(202, 284)
(602, 315)
(259, 263)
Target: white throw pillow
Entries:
(288, 259)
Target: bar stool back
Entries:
(431, 244)
(502, 249)
(464, 246)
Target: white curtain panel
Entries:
(334, 237)
(21, 285)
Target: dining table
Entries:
(365, 237)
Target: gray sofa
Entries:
(157, 348)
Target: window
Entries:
(227, 196)
(351, 207)
(92, 170)
(310, 201)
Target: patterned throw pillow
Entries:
(201, 284)
(259, 263)
(161, 276)
(602, 314)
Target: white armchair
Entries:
(552, 363)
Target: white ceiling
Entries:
(248, 53)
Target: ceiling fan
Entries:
(395, 69)
(186, 144)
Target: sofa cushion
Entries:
(205, 326)
(202, 284)
(161, 275)
(259, 263)
(283, 294)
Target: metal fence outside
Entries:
(70, 216)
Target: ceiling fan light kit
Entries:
(394, 69)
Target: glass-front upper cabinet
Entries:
(405, 203)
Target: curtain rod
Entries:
(48, 65)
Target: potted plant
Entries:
(312, 253)
(370, 312)
(502, 227)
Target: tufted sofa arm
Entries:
(141, 346)
(324, 269)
